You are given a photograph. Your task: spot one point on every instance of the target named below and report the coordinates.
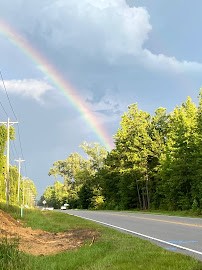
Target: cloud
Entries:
(104, 29)
(28, 87)
(165, 63)
(108, 105)
(107, 26)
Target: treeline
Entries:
(156, 164)
(27, 190)
(79, 187)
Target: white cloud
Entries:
(163, 62)
(28, 87)
(108, 26)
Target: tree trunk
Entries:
(147, 191)
(138, 192)
(143, 199)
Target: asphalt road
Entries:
(177, 234)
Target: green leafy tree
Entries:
(85, 195)
(29, 192)
(178, 165)
(78, 171)
(3, 138)
(156, 163)
(134, 146)
(197, 182)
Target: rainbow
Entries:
(57, 79)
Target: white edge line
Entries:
(143, 235)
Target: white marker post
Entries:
(44, 203)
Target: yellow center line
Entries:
(162, 220)
(172, 222)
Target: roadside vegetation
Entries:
(111, 250)
(18, 194)
(10, 257)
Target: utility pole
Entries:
(8, 124)
(19, 169)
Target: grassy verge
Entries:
(10, 257)
(187, 213)
(11, 209)
(113, 250)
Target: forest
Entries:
(156, 163)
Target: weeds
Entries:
(10, 256)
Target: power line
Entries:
(3, 109)
(20, 142)
(18, 128)
(7, 95)
(25, 169)
(12, 152)
(15, 149)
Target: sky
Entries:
(71, 68)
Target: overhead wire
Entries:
(4, 110)
(2, 79)
(4, 87)
(18, 129)
(12, 152)
(15, 116)
(15, 150)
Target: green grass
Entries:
(13, 210)
(10, 257)
(113, 250)
(187, 213)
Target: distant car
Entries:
(63, 207)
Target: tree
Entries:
(134, 144)
(3, 138)
(85, 195)
(156, 162)
(197, 183)
(13, 179)
(29, 190)
(78, 171)
(96, 155)
(177, 169)
(158, 133)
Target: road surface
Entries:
(178, 234)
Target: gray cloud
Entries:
(97, 29)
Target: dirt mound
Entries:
(38, 242)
